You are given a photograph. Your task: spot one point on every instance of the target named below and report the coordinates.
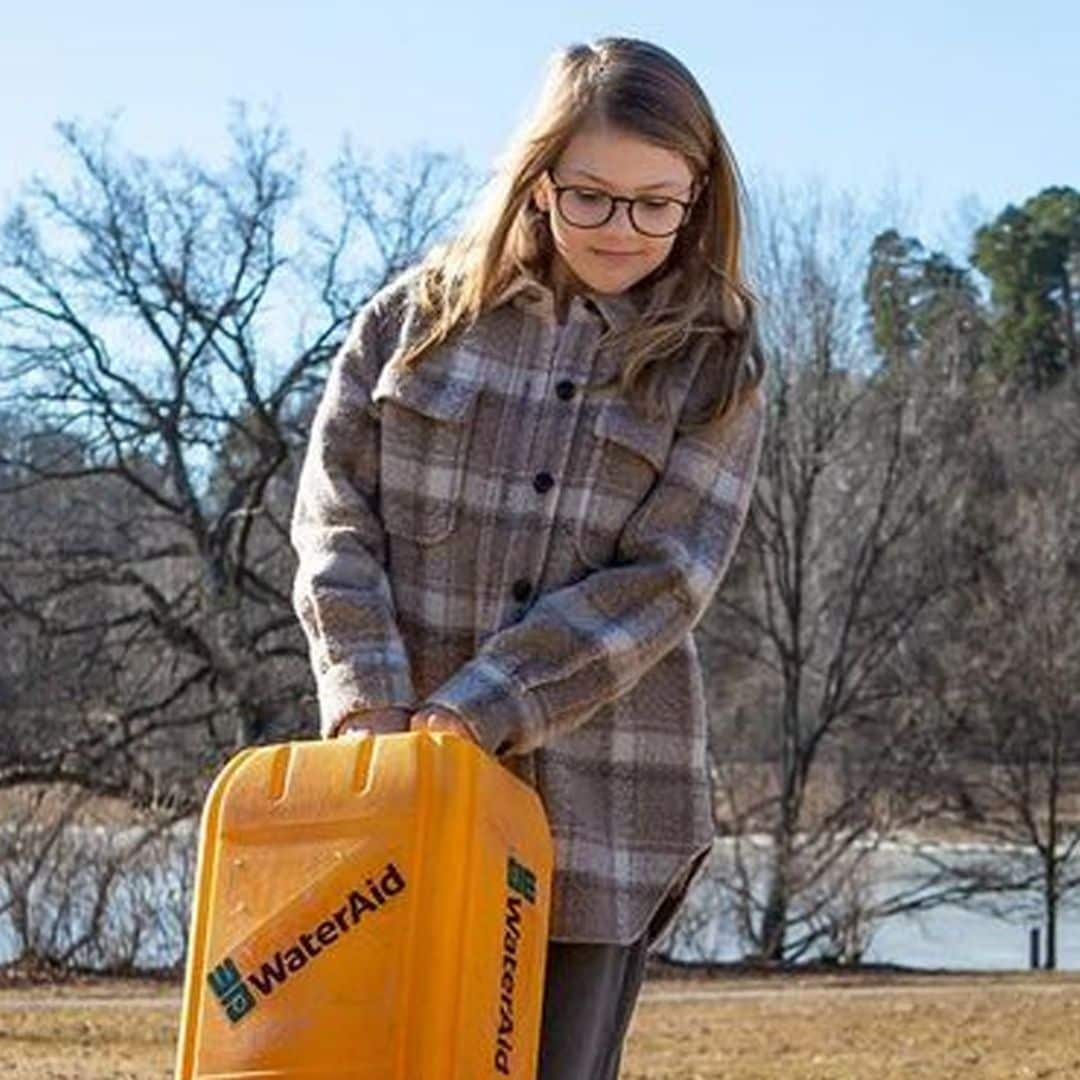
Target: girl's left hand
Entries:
(434, 718)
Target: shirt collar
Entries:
(528, 292)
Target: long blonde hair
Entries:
(696, 299)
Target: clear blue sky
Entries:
(944, 102)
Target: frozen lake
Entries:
(947, 936)
(156, 898)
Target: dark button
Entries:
(565, 389)
(543, 481)
(522, 590)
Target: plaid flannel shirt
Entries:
(487, 533)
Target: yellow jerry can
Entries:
(371, 907)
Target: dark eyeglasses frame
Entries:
(687, 206)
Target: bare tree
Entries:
(1002, 678)
(83, 881)
(817, 755)
(161, 405)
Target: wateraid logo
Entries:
(238, 994)
(521, 880)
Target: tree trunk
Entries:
(1051, 900)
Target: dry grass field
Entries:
(865, 1027)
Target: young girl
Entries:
(525, 482)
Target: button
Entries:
(522, 590)
(565, 389)
(543, 481)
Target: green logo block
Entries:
(228, 986)
(521, 879)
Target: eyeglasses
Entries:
(589, 208)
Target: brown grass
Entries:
(993, 1027)
(119, 1031)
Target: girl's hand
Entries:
(434, 718)
(369, 721)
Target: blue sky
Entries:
(947, 104)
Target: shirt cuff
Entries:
(493, 706)
(341, 691)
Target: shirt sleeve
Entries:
(581, 646)
(341, 591)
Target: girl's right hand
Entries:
(383, 721)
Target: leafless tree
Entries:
(161, 403)
(84, 881)
(1002, 677)
(817, 753)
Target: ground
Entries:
(807, 1027)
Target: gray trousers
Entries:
(590, 990)
(589, 995)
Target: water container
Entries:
(371, 907)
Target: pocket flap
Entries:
(434, 395)
(650, 439)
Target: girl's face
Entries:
(614, 256)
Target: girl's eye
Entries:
(656, 204)
(586, 195)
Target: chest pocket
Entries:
(625, 455)
(426, 423)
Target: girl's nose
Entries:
(620, 221)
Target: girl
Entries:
(525, 481)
